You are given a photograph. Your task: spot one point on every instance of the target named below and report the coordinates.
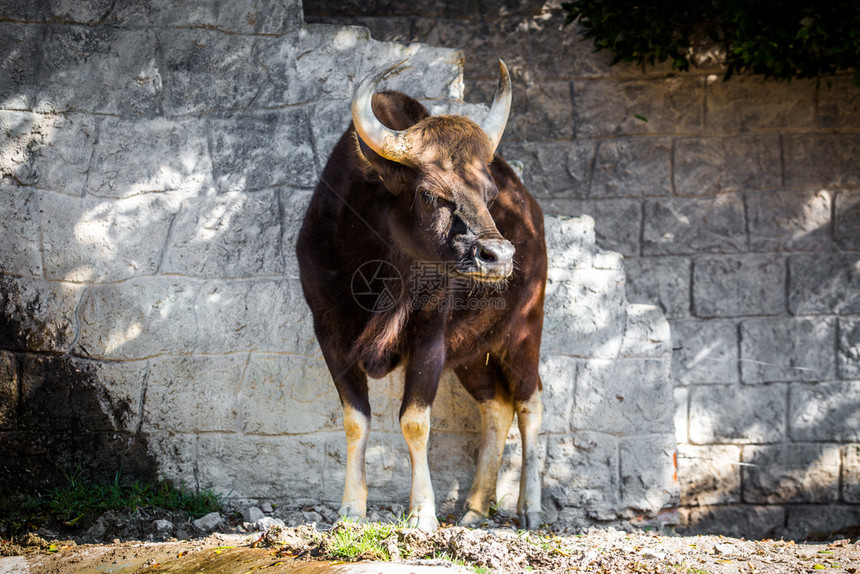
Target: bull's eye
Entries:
(436, 201)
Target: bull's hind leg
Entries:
(497, 414)
(351, 384)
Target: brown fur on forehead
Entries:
(451, 140)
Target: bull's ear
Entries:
(394, 176)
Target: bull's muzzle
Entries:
(494, 258)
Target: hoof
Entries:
(529, 520)
(426, 522)
(472, 519)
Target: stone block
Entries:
(268, 315)
(805, 521)
(692, 226)
(294, 206)
(22, 11)
(623, 397)
(737, 414)
(62, 163)
(848, 353)
(732, 286)
(585, 314)
(851, 473)
(317, 63)
(263, 149)
(570, 243)
(635, 167)
(208, 71)
(682, 414)
(20, 253)
(544, 113)
(37, 316)
(837, 106)
(790, 473)
(137, 319)
(451, 457)
(100, 240)
(159, 154)
(101, 70)
(847, 220)
(8, 392)
(710, 166)
(646, 334)
(259, 16)
(329, 120)
(709, 474)
(583, 471)
(454, 409)
(743, 521)
(751, 103)
(19, 57)
(825, 412)
(660, 281)
(207, 387)
(553, 169)
(789, 220)
(616, 221)
(649, 480)
(779, 349)
(67, 11)
(25, 134)
(705, 352)
(558, 51)
(558, 375)
(824, 283)
(62, 393)
(230, 235)
(609, 107)
(821, 160)
(261, 467)
(285, 395)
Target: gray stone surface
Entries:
(705, 352)
(660, 281)
(635, 167)
(8, 391)
(787, 349)
(751, 521)
(709, 474)
(737, 414)
(789, 220)
(142, 156)
(616, 222)
(24, 255)
(18, 65)
(791, 473)
(824, 284)
(645, 462)
(851, 473)
(708, 166)
(229, 235)
(767, 105)
(734, 286)
(38, 316)
(847, 220)
(62, 163)
(584, 469)
(825, 411)
(848, 354)
(691, 226)
(827, 160)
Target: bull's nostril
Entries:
(488, 255)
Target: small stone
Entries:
(267, 507)
(163, 527)
(293, 518)
(653, 554)
(374, 517)
(724, 549)
(312, 516)
(208, 522)
(252, 514)
(268, 522)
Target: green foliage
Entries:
(79, 498)
(783, 39)
(351, 541)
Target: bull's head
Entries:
(440, 174)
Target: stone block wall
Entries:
(737, 208)
(155, 164)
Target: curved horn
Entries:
(388, 143)
(494, 123)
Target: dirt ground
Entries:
(306, 549)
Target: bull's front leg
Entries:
(421, 383)
(529, 415)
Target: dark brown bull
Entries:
(417, 213)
